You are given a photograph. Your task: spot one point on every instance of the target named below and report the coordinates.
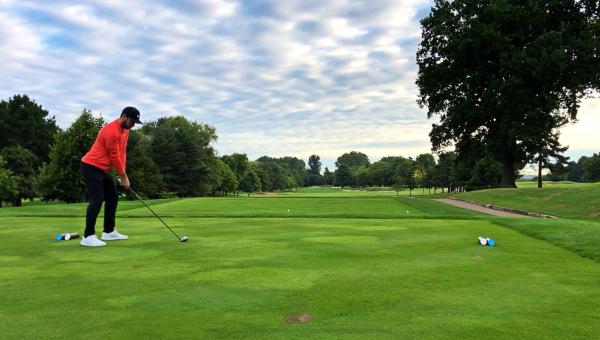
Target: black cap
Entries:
(132, 113)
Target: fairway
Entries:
(357, 264)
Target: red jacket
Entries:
(109, 149)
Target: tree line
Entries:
(173, 157)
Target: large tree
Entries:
(505, 73)
(21, 162)
(60, 179)
(24, 122)
(143, 173)
(181, 149)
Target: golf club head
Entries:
(184, 239)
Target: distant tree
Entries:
(353, 160)
(296, 168)
(250, 183)
(290, 182)
(426, 161)
(411, 180)
(8, 183)
(574, 172)
(328, 177)
(60, 179)
(444, 170)
(277, 173)
(487, 173)
(550, 148)
(591, 168)
(361, 177)
(314, 165)
(20, 162)
(262, 173)
(418, 175)
(399, 182)
(143, 173)
(23, 122)
(181, 149)
(381, 173)
(343, 176)
(238, 163)
(314, 176)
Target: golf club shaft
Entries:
(147, 206)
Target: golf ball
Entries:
(407, 211)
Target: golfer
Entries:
(108, 151)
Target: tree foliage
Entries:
(506, 73)
(61, 179)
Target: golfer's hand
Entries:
(124, 181)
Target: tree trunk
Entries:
(508, 170)
(540, 173)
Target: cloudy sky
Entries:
(273, 77)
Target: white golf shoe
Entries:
(115, 235)
(91, 241)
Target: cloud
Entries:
(274, 77)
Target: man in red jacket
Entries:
(108, 151)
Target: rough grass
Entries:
(568, 200)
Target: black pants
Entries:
(100, 188)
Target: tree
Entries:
(411, 180)
(328, 177)
(23, 122)
(277, 174)
(574, 172)
(487, 173)
(549, 148)
(399, 182)
(353, 160)
(20, 162)
(426, 161)
(314, 165)
(314, 176)
(8, 183)
(181, 149)
(263, 175)
(238, 163)
(343, 175)
(506, 73)
(444, 170)
(250, 183)
(143, 173)
(591, 168)
(380, 173)
(296, 168)
(60, 179)
(361, 177)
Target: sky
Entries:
(277, 78)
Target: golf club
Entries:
(181, 239)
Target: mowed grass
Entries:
(567, 200)
(359, 266)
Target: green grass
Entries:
(356, 262)
(568, 200)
